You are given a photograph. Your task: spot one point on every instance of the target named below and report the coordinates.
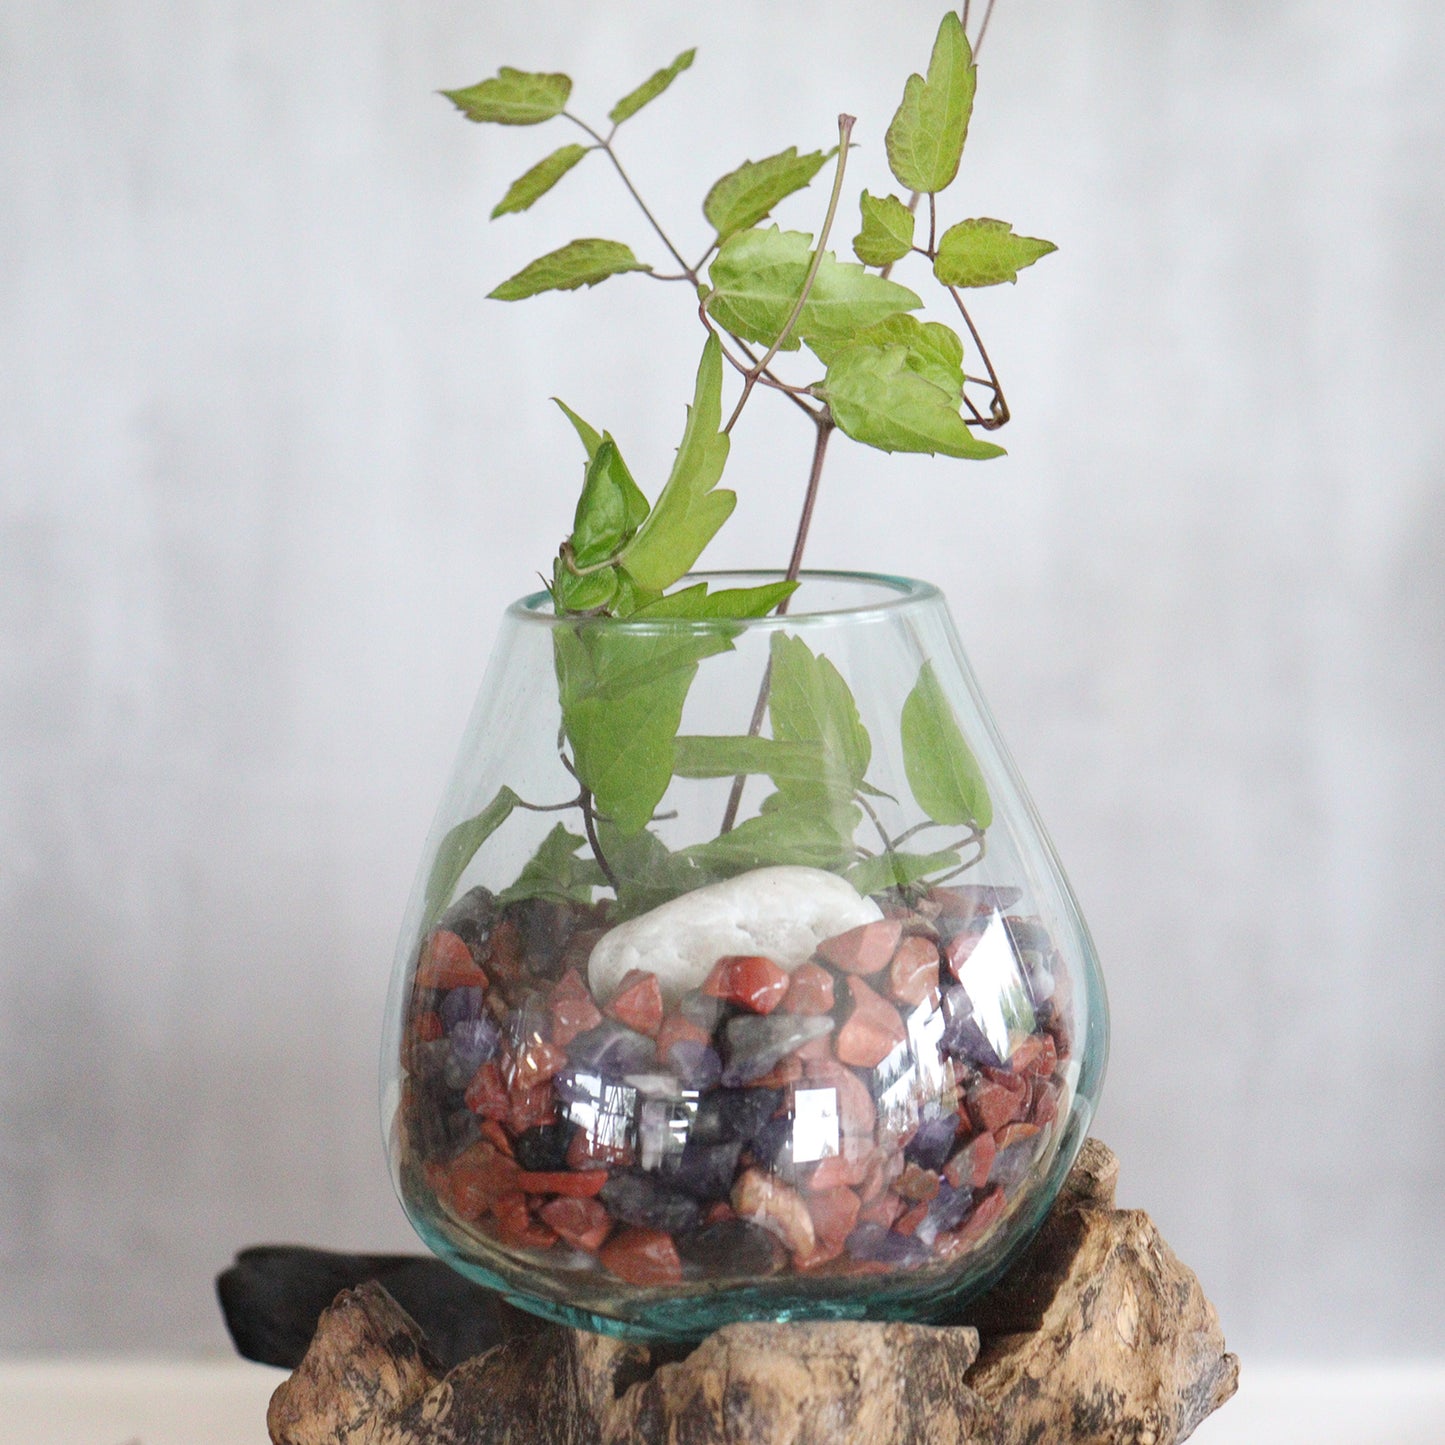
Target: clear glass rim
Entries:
(901, 594)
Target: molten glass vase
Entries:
(740, 979)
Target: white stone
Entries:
(781, 913)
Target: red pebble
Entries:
(835, 1212)
(642, 1257)
(427, 1028)
(910, 1219)
(883, 1210)
(720, 1212)
(529, 1107)
(856, 1113)
(446, 962)
(487, 1093)
(985, 1212)
(637, 1004)
(677, 1030)
(913, 974)
(575, 1184)
(477, 1178)
(583, 1223)
(493, 1132)
(810, 991)
(970, 1167)
(873, 1029)
(865, 949)
(917, 1184)
(503, 956)
(816, 1051)
(537, 1062)
(993, 1103)
(847, 1169)
(1044, 1108)
(749, 981)
(1012, 1133)
(959, 947)
(514, 1225)
(786, 1071)
(1026, 1058)
(586, 1152)
(572, 1008)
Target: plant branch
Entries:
(889, 845)
(845, 131)
(983, 27)
(932, 223)
(998, 407)
(605, 142)
(589, 822)
(550, 807)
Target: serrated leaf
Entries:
(925, 138)
(934, 351)
(877, 398)
(457, 849)
(744, 196)
(590, 437)
(578, 263)
(784, 835)
(630, 596)
(650, 89)
(887, 234)
(535, 183)
(622, 693)
(898, 870)
(610, 509)
(809, 702)
(729, 602)
(513, 97)
(554, 871)
(942, 770)
(758, 275)
(592, 593)
(727, 757)
(985, 252)
(689, 511)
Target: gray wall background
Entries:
(271, 466)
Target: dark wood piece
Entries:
(1098, 1334)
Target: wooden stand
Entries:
(1098, 1334)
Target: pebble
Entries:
(811, 991)
(471, 1043)
(732, 1249)
(612, 1049)
(637, 1002)
(864, 949)
(933, 1142)
(728, 1114)
(776, 1206)
(461, 1004)
(971, 1166)
(755, 1043)
(642, 1257)
(749, 981)
(913, 973)
(647, 1203)
(543, 1148)
(703, 1010)
(873, 1030)
(705, 1171)
(875, 1242)
(572, 1009)
(696, 1065)
(471, 916)
(781, 913)
(583, 1223)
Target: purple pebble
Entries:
(613, 1050)
(696, 1065)
(930, 1146)
(873, 1242)
(473, 1042)
(459, 1004)
(949, 1209)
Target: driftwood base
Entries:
(1099, 1334)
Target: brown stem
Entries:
(826, 427)
(589, 822)
(983, 29)
(998, 407)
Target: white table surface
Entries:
(111, 1402)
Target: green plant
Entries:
(890, 381)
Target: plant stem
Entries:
(983, 28)
(998, 407)
(589, 822)
(605, 143)
(845, 131)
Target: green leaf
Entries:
(459, 847)
(878, 398)
(689, 511)
(610, 509)
(730, 602)
(744, 196)
(591, 437)
(578, 263)
(898, 870)
(985, 252)
(934, 351)
(631, 596)
(785, 835)
(887, 234)
(622, 693)
(758, 275)
(650, 89)
(942, 770)
(647, 874)
(554, 871)
(539, 180)
(727, 757)
(571, 593)
(513, 97)
(808, 702)
(925, 138)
